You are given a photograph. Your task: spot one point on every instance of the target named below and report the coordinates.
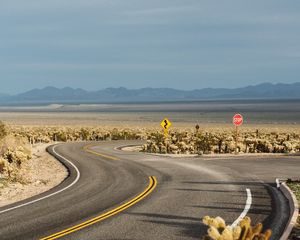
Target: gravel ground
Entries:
(40, 174)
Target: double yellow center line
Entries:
(88, 149)
(151, 186)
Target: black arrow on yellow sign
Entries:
(166, 124)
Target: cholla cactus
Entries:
(182, 141)
(77, 133)
(14, 151)
(224, 142)
(2, 165)
(3, 130)
(244, 231)
(17, 155)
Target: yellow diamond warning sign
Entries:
(166, 124)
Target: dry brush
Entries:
(203, 142)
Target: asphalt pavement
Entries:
(187, 189)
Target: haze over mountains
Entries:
(111, 95)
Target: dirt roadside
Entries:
(40, 174)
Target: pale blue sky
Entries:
(186, 44)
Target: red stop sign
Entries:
(238, 119)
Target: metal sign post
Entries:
(237, 121)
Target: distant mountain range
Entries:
(111, 95)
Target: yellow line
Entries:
(152, 185)
(87, 149)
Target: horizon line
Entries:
(122, 87)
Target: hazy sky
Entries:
(185, 44)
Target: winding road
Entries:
(112, 194)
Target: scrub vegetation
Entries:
(204, 142)
(192, 141)
(295, 187)
(217, 230)
(16, 141)
(14, 151)
(48, 134)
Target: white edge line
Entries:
(246, 209)
(52, 194)
(277, 182)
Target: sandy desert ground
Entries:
(40, 174)
(281, 115)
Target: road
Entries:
(187, 189)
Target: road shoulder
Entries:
(40, 174)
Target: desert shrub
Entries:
(222, 142)
(218, 230)
(263, 146)
(3, 130)
(2, 165)
(76, 133)
(187, 141)
(14, 152)
(204, 143)
(17, 155)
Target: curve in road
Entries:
(189, 189)
(51, 194)
(148, 190)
